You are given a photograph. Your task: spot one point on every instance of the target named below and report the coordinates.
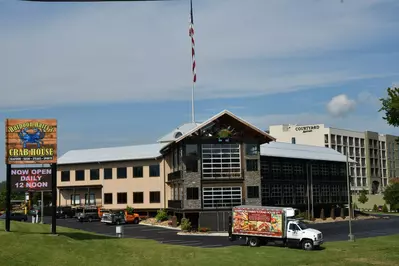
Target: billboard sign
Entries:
(31, 179)
(31, 141)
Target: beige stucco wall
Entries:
(128, 185)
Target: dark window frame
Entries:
(65, 178)
(105, 198)
(140, 175)
(106, 172)
(253, 192)
(121, 175)
(120, 201)
(158, 170)
(155, 196)
(192, 193)
(97, 171)
(142, 197)
(77, 174)
(252, 167)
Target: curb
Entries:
(161, 226)
(208, 234)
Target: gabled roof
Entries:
(298, 151)
(210, 120)
(125, 153)
(183, 129)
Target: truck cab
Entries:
(299, 234)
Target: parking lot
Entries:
(332, 232)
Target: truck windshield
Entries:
(302, 225)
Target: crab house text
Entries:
(28, 179)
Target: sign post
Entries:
(31, 141)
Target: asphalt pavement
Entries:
(337, 231)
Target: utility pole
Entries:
(351, 236)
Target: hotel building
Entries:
(376, 155)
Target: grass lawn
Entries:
(384, 213)
(29, 244)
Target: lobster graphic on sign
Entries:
(31, 138)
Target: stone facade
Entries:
(191, 179)
(252, 178)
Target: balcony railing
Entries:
(174, 204)
(176, 175)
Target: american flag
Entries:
(191, 34)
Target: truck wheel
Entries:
(253, 242)
(90, 219)
(307, 244)
(136, 220)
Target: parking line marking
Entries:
(211, 246)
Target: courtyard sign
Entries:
(306, 129)
(31, 179)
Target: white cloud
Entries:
(340, 105)
(140, 51)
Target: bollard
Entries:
(119, 231)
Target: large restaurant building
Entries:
(201, 170)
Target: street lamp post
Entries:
(351, 236)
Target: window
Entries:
(252, 165)
(107, 198)
(108, 173)
(221, 160)
(90, 199)
(293, 141)
(137, 171)
(75, 199)
(191, 158)
(192, 150)
(154, 170)
(155, 197)
(222, 197)
(252, 192)
(65, 176)
(94, 174)
(80, 175)
(138, 197)
(121, 198)
(251, 149)
(121, 172)
(192, 193)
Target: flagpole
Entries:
(193, 63)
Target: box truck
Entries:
(261, 224)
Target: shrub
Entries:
(332, 213)
(363, 196)
(185, 224)
(129, 209)
(384, 208)
(302, 215)
(375, 208)
(161, 216)
(322, 216)
(203, 229)
(170, 223)
(342, 214)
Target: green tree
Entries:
(363, 196)
(390, 106)
(391, 195)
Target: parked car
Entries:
(120, 217)
(88, 215)
(65, 212)
(15, 216)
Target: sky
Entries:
(116, 74)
